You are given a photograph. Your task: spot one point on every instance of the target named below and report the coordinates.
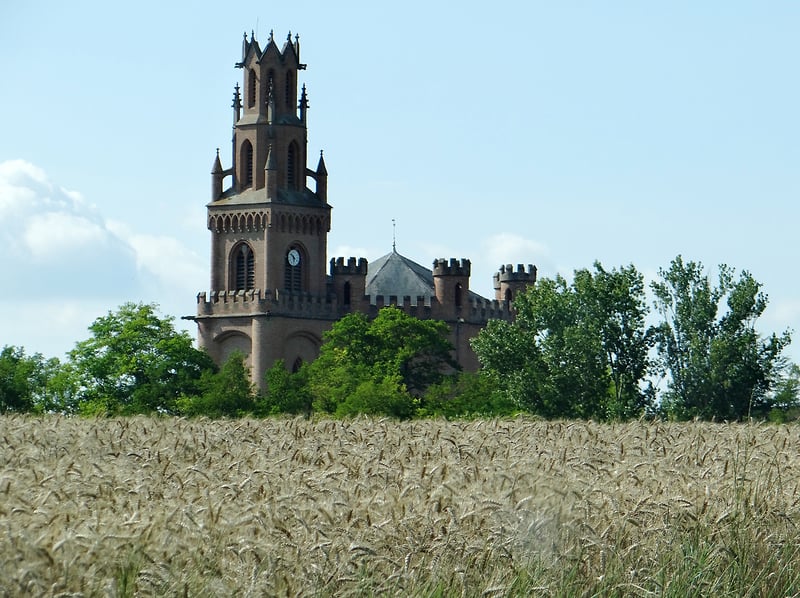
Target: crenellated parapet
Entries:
(453, 267)
(507, 273)
(257, 302)
(508, 282)
(352, 267)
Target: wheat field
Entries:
(293, 507)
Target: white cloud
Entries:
(51, 234)
(64, 265)
(509, 248)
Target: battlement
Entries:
(454, 267)
(508, 274)
(353, 267)
(304, 305)
(256, 302)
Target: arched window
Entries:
(298, 363)
(293, 276)
(292, 166)
(347, 293)
(459, 294)
(508, 295)
(247, 164)
(251, 88)
(244, 268)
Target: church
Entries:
(273, 292)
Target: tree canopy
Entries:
(136, 362)
(575, 349)
(717, 363)
(379, 366)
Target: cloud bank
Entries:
(64, 264)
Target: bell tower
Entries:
(269, 289)
(269, 231)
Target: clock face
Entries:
(293, 257)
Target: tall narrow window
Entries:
(251, 89)
(288, 91)
(459, 294)
(244, 268)
(293, 276)
(270, 86)
(347, 293)
(247, 159)
(508, 295)
(291, 166)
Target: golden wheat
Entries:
(295, 507)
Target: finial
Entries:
(320, 153)
(217, 152)
(271, 34)
(296, 37)
(252, 35)
(245, 36)
(394, 236)
(289, 37)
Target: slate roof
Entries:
(394, 274)
(304, 197)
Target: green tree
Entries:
(286, 392)
(136, 362)
(467, 394)
(34, 383)
(574, 350)
(717, 364)
(17, 386)
(379, 366)
(227, 393)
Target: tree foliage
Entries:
(717, 363)
(136, 362)
(576, 349)
(380, 365)
(227, 393)
(33, 383)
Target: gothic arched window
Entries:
(292, 166)
(244, 268)
(508, 295)
(251, 88)
(459, 294)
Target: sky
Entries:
(552, 133)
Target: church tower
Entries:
(269, 230)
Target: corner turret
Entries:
(508, 282)
(451, 283)
(349, 281)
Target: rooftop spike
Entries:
(321, 165)
(217, 167)
(272, 162)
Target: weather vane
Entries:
(394, 236)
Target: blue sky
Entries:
(554, 133)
